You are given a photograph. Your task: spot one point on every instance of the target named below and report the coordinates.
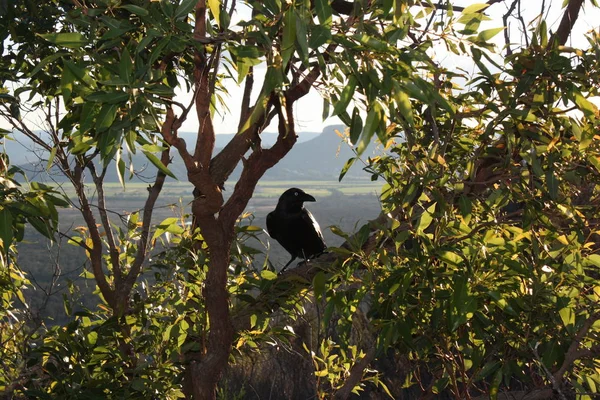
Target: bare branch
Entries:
(140, 257)
(573, 354)
(566, 24)
(260, 161)
(505, 23)
(95, 254)
(110, 239)
(356, 373)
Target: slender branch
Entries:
(95, 253)
(296, 279)
(110, 239)
(566, 24)
(505, 23)
(356, 373)
(523, 24)
(573, 354)
(555, 382)
(140, 257)
(169, 132)
(21, 126)
(260, 161)
(206, 135)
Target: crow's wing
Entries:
(317, 243)
(272, 225)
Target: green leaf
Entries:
(475, 8)
(345, 96)
(51, 158)
(552, 184)
(257, 113)
(48, 60)
(106, 117)
(587, 107)
(120, 165)
(301, 38)
(465, 205)
(371, 42)
(184, 8)
(126, 67)
(6, 228)
(72, 40)
(346, 167)
(41, 226)
(450, 257)
(463, 305)
(567, 315)
(487, 34)
(425, 219)
(324, 13)
(319, 35)
(594, 259)
(289, 36)
(268, 275)
(158, 164)
(215, 9)
(356, 127)
(371, 126)
(405, 107)
(80, 73)
(242, 51)
(319, 282)
(137, 10)
(108, 97)
(66, 84)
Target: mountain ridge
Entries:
(316, 156)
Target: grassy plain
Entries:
(263, 189)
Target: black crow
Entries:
(294, 227)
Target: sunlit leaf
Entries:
(158, 164)
(215, 9)
(72, 40)
(268, 275)
(425, 219)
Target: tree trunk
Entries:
(204, 374)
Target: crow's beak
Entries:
(308, 197)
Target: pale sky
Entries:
(308, 110)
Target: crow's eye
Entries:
(295, 193)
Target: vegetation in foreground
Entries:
(479, 279)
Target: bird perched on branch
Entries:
(294, 227)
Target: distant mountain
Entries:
(321, 158)
(22, 150)
(316, 156)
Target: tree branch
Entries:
(153, 193)
(573, 354)
(95, 252)
(356, 373)
(206, 134)
(110, 239)
(295, 279)
(566, 24)
(260, 161)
